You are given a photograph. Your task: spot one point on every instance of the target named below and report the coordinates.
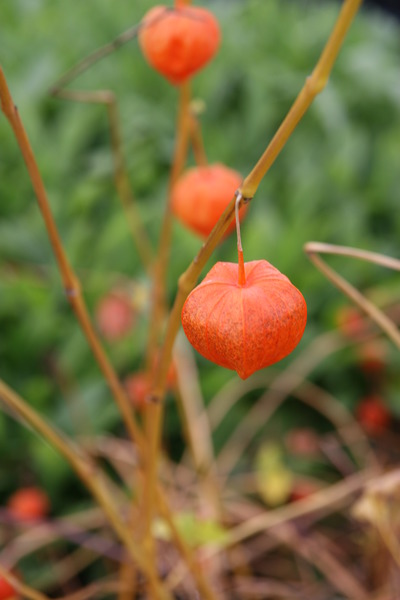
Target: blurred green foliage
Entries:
(337, 181)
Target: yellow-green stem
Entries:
(161, 266)
(312, 87)
(196, 138)
(314, 84)
(153, 417)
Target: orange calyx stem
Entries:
(242, 276)
(241, 271)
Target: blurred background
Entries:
(337, 181)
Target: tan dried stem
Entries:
(321, 503)
(295, 384)
(153, 415)
(70, 281)
(313, 549)
(313, 249)
(186, 553)
(196, 427)
(196, 138)
(24, 590)
(91, 477)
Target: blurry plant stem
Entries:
(154, 413)
(383, 521)
(25, 590)
(70, 281)
(162, 260)
(196, 138)
(196, 427)
(314, 85)
(94, 57)
(321, 503)
(186, 551)
(92, 478)
(122, 183)
(313, 249)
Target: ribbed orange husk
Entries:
(178, 42)
(249, 327)
(201, 195)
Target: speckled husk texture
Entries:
(178, 42)
(249, 327)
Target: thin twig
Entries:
(122, 182)
(376, 314)
(92, 478)
(70, 280)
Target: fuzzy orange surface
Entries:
(373, 415)
(201, 195)
(244, 327)
(29, 503)
(6, 590)
(178, 42)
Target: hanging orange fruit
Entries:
(244, 316)
(178, 42)
(244, 326)
(201, 195)
(29, 503)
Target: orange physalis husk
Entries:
(29, 503)
(201, 195)
(178, 42)
(7, 592)
(244, 326)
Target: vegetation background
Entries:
(337, 181)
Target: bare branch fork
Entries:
(314, 249)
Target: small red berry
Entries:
(6, 590)
(114, 316)
(351, 322)
(373, 415)
(29, 503)
(302, 490)
(138, 388)
(248, 325)
(372, 357)
(201, 195)
(178, 42)
(302, 442)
